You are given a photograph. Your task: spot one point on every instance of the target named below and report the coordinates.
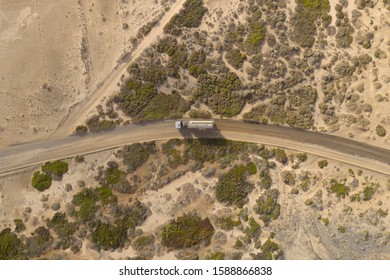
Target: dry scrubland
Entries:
(195, 199)
(310, 64)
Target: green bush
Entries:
(55, 169)
(216, 256)
(39, 243)
(380, 130)
(281, 156)
(134, 215)
(322, 163)
(142, 242)
(253, 231)
(302, 157)
(94, 124)
(199, 114)
(251, 168)
(255, 37)
(187, 231)
(40, 181)
(109, 237)
(232, 187)
(136, 154)
(11, 248)
(227, 223)
(340, 189)
(265, 179)
(235, 58)
(267, 206)
(81, 130)
(86, 201)
(368, 192)
(19, 225)
(61, 226)
(189, 16)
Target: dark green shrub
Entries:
(19, 225)
(142, 242)
(136, 154)
(11, 248)
(232, 187)
(281, 156)
(265, 179)
(81, 130)
(109, 237)
(86, 201)
(61, 226)
(39, 243)
(96, 125)
(235, 58)
(216, 256)
(368, 192)
(267, 206)
(40, 181)
(380, 130)
(322, 163)
(340, 189)
(302, 157)
(227, 223)
(199, 114)
(55, 169)
(251, 168)
(187, 231)
(253, 231)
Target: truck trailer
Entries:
(194, 124)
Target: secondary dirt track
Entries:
(344, 150)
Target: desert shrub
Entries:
(306, 13)
(55, 169)
(142, 242)
(109, 177)
(344, 69)
(199, 114)
(164, 106)
(40, 181)
(233, 187)
(325, 221)
(61, 226)
(195, 63)
(105, 195)
(11, 248)
(86, 201)
(322, 163)
(39, 243)
(271, 250)
(81, 130)
(189, 16)
(134, 215)
(136, 154)
(96, 125)
(265, 179)
(338, 188)
(267, 206)
(281, 156)
(187, 231)
(253, 231)
(302, 157)
(19, 225)
(355, 197)
(227, 223)
(235, 58)
(344, 35)
(380, 130)
(216, 256)
(79, 159)
(341, 229)
(251, 167)
(108, 237)
(255, 37)
(368, 192)
(288, 177)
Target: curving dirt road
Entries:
(78, 113)
(344, 150)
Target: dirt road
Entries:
(344, 150)
(77, 114)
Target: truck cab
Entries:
(179, 124)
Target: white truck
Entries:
(195, 124)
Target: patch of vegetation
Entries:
(338, 188)
(86, 201)
(40, 181)
(368, 192)
(196, 63)
(136, 154)
(235, 58)
(355, 197)
(267, 206)
(199, 114)
(164, 106)
(61, 226)
(302, 157)
(55, 169)
(325, 221)
(281, 156)
(142, 242)
(322, 163)
(306, 13)
(108, 237)
(81, 130)
(39, 243)
(269, 251)
(94, 124)
(265, 179)
(253, 231)
(11, 248)
(216, 256)
(341, 229)
(251, 168)
(380, 130)
(255, 38)
(189, 16)
(19, 225)
(288, 177)
(187, 231)
(227, 223)
(134, 215)
(233, 187)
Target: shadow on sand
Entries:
(200, 134)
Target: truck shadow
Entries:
(193, 133)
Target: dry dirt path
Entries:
(77, 114)
(344, 150)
